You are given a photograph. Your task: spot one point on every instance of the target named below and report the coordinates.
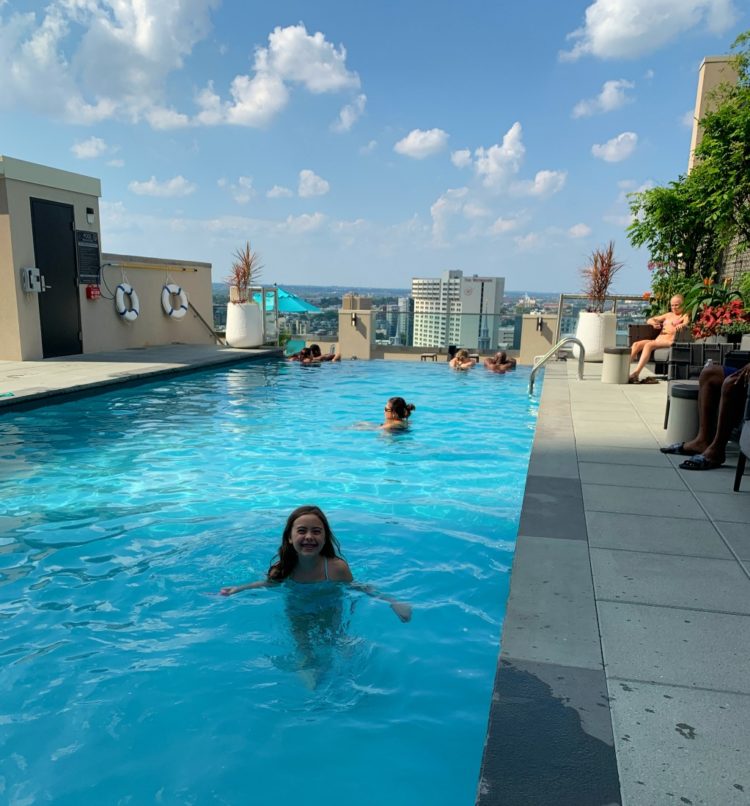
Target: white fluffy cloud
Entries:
(350, 114)
(279, 192)
(496, 164)
(310, 184)
(531, 240)
(135, 45)
(241, 191)
(450, 203)
(171, 188)
(612, 96)
(89, 149)
(369, 148)
(292, 57)
(617, 29)
(579, 231)
(503, 225)
(461, 158)
(544, 184)
(617, 149)
(46, 60)
(419, 144)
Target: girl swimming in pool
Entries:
(309, 553)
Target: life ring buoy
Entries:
(166, 301)
(129, 309)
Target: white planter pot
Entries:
(244, 325)
(595, 331)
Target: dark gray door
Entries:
(53, 227)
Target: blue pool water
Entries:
(124, 678)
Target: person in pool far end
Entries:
(500, 363)
(462, 361)
(309, 553)
(397, 413)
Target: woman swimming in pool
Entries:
(397, 413)
(309, 553)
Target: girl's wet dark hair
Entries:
(315, 350)
(400, 407)
(286, 560)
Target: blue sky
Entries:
(358, 144)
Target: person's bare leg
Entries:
(730, 412)
(709, 397)
(648, 349)
(636, 348)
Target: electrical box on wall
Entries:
(31, 280)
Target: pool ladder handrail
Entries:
(546, 357)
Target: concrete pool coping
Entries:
(621, 677)
(33, 383)
(622, 671)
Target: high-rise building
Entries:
(453, 309)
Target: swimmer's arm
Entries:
(230, 590)
(401, 609)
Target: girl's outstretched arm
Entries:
(232, 589)
(401, 609)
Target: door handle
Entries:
(45, 287)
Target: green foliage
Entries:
(723, 156)
(670, 221)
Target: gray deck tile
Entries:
(720, 480)
(729, 506)
(551, 615)
(611, 530)
(641, 500)
(702, 582)
(622, 456)
(555, 460)
(553, 507)
(676, 745)
(642, 441)
(678, 647)
(630, 476)
(738, 537)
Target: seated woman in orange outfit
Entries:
(668, 323)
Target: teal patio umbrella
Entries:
(288, 302)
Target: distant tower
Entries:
(453, 309)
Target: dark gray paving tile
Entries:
(738, 537)
(641, 500)
(702, 582)
(615, 530)
(630, 476)
(554, 460)
(677, 745)
(551, 614)
(549, 739)
(729, 506)
(680, 647)
(552, 507)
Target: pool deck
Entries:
(30, 383)
(623, 674)
(623, 671)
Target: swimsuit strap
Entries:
(325, 567)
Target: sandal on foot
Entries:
(699, 462)
(633, 379)
(679, 449)
(650, 379)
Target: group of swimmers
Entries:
(499, 363)
(313, 355)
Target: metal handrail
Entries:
(546, 357)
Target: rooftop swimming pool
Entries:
(126, 679)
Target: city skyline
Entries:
(352, 145)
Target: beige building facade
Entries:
(58, 292)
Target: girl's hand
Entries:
(228, 591)
(402, 610)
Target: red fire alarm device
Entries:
(93, 291)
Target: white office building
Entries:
(453, 309)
